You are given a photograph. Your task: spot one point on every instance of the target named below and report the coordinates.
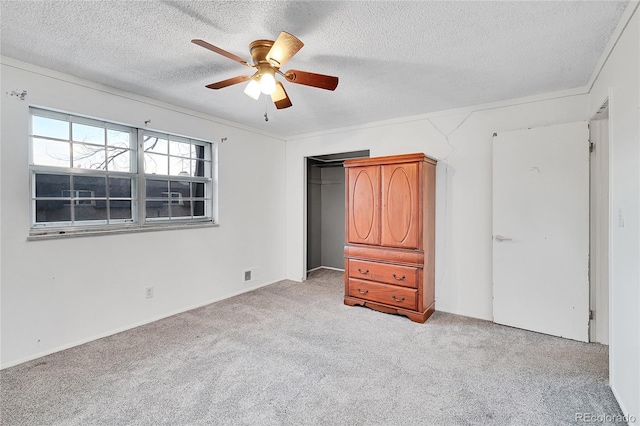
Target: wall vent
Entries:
(249, 275)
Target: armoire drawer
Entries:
(405, 276)
(383, 293)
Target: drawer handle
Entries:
(399, 279)
(398, 299)
(363, 272)
(364, 292)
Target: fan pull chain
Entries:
(266, 103)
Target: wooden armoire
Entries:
(390, 234)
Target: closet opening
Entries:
(325, 210)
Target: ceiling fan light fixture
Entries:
(267, 57)
(267, 83)
(253, 89)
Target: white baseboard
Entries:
(461, 313)
(325, 267)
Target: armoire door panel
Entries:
(400, 205)
(364, 205)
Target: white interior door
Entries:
(541, 230)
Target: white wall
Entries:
(620, 82)
(59, 293)
(464, 194)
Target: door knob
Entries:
(500, 238)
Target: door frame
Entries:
(599, 257)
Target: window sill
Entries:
(60, 234)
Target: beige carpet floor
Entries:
(293, 354)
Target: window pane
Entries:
(157, 209)
(51, 128)
(155, 145)
(197, 189)
(89, 134)
(89, 187)
(88, 210)
(198, 208)
(88, 157)
(118, 138)
(203, 152)
(179, 166)
(120, 209)
(182, 188)
(53, 211)
(180, 149)
(119, 188)
(202, 168)
(198, 151)
(157, 188)
(183, 209)
(51, 153)
(53, 185)
(156, 164)
(118, 160)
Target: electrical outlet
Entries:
(148, 292)
(247, 275)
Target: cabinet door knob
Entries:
(364, 292)
(399, 279)
(363, 272)
(398, 299)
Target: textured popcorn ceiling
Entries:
(393, 58)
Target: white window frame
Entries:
(139, 220)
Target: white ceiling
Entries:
(393, 58)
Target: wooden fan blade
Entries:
(229, 82)
(283, 49)
(321, 81)
(220, 51)
(280, 97)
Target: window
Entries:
(89, 174)
(178, 177)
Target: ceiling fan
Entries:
(268, 56)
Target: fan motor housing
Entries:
(259, 50)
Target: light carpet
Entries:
(293, 354)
